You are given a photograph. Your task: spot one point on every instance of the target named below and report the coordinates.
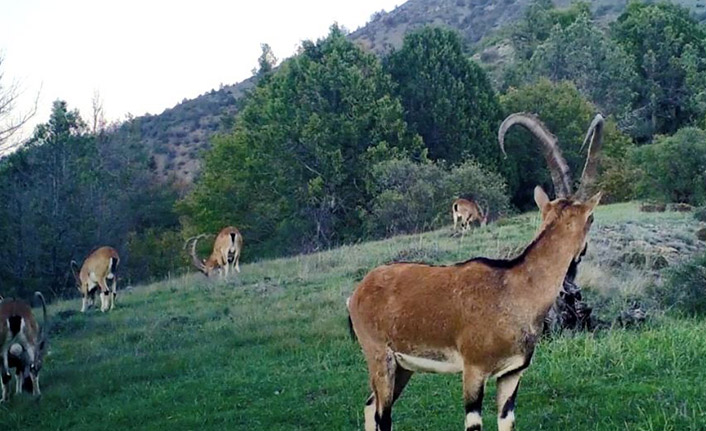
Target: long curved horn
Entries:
(39, 295)
(194, 259)
(594, 138)
(558, 168)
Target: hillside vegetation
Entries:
(271, 350)
(176, 136)
(338, 145)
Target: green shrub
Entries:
(411, 197)
(700, 213)
(153, 254)
(673, 169)
(684, 289)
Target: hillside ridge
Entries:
(178, 135)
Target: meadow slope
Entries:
(270, 350)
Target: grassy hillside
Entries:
(270, 350)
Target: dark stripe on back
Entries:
(500, 263)
(493, 263)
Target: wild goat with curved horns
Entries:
(481, 317)
(226, 252)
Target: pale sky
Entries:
(144, 56)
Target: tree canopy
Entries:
(448, 99)
(668, 48)
(294, 171)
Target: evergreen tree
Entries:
(448, 99)
(293, 173)
(668, 47)
(583, 54)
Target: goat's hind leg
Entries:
(401, 379)
(5, 377)
(388, 380)
(113, 290)
(19, 377)
(104, 294)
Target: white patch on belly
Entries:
(453, 364)
(510, 364)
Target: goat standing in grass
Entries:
(481, 317)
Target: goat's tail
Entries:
(350, 321)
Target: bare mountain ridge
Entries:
(177, 136)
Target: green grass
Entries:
(271, 350)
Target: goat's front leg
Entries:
(35, 384)
(473, 388)
(505, 398)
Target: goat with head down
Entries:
(225, 255)
(23, 344)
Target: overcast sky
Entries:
(144, 56)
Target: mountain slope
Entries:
(177, 135)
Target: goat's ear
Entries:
(540, 197)
(593, 202)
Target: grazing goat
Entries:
(481, 317)
(467, 211)
(23, 345)
(226, 252)
(98, 267)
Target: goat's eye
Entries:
(590, 219)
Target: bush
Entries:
(153, 254)
(684, 289)
(673, 169)
(410, 197)
(700, 213)
(617, 181)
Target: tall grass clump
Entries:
(700, 213)
(684, 288)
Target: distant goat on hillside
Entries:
(467, 211)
